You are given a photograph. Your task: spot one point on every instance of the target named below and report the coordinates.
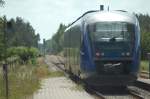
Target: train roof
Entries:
(107, 16)
(110, 16)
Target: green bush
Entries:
(24, 53)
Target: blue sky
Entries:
(46, 15)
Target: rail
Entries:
(142, 85)
(136, 94)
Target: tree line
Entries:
(17, 38)
(55, 44)
(144, 20)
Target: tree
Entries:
(57, 39)
(55, 45)
(24, 53)
(15, 33)
(2, 2)
(23, 34)
(144, 20)
(1, 39)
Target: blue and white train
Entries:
(103, 47)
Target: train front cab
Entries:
(112, 53)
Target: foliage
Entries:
(24, 53)
(1, 40)
(42, 71)
(2, 2)
(144, 20)
(56, 74)
(145, 44)
(24, 80)
(55, 45)
(15, 33)
(22, 34)
(18, 33)
(144, 66)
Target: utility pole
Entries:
(44, 45)
(7, 26)
(5, 66)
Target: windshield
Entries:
(112, 32)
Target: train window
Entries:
(115, 31)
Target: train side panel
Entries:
(72, 44)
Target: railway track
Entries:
(142, 85)
(125, 94)
(133, 92)
(95, 93)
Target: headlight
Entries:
(123, 54)
(128, 54)
(102, 54)
(97, 54)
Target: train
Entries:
(103, 48)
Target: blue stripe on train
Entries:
(87, 63)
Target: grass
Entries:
(144, 66)
(43, 71)
(56, 74)
(78, 87)
(24, 80)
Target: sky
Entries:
(46, 15)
